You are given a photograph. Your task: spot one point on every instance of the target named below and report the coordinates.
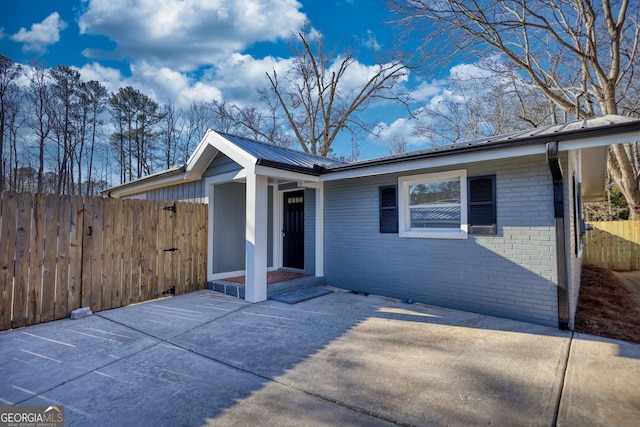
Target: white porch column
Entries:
(256, 239)
(320, 229)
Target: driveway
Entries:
(207, 359)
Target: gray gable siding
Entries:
(194, 191)
(510, 275)
(221, 164)
(187, 192)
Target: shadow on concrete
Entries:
(341, 359)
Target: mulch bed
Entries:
(606, 307)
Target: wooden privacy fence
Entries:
(59, 253)
(614, 245)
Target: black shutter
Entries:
(389, 209)
(482, 205)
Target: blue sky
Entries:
(199, 50)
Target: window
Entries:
(482, 205)
(433, 205)
(389, 209)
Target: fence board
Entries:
(133, 264)
(136, 265)
(130, 277)
(183, 252)
(50, 254)
(62, 262)
(97, 223)
(107, 253)
(87, 239)
(7, 256)
(116, 251)
(75, 254)
(37, 259)
(161, 246)
(614, 245)
(21, 276)
(60, 253)
(202, 246)
(152, 246)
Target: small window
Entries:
(433, 205)
(482, 205)
(389, 209)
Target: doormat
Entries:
(299, 295)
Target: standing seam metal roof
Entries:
(285, 158)
(273, 155)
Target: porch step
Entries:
(228, 288)
(236, 290)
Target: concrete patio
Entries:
(206, 359)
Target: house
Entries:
(491, 226)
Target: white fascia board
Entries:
(446, 160)
(201, 158)
(234, 152)
(315, 185)
(284, 174)
(600, 141)
(204, 142)
(239, 175)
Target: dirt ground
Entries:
(609, 304)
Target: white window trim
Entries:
(404, 219)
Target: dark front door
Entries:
(293, 230)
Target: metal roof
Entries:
(279, 157)
(564, 132)
(287, 159)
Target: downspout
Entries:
(561, 248)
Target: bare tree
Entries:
(135, 117)
(397, 145)
(477, 104)
(172, 128)
(94, 100)
(581, 54)
(316, 100)
(14, 120)
(198, 119)
(69, 124)
(40, 118)
(9, 72)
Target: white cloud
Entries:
(371, 42)
(163, 84)
(469, 72)
(186, 34)
(399, 128)
(426, 90)
(358, 74)
(41, 35)
(110, 78)
(240, 76)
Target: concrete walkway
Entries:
(207, 359)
